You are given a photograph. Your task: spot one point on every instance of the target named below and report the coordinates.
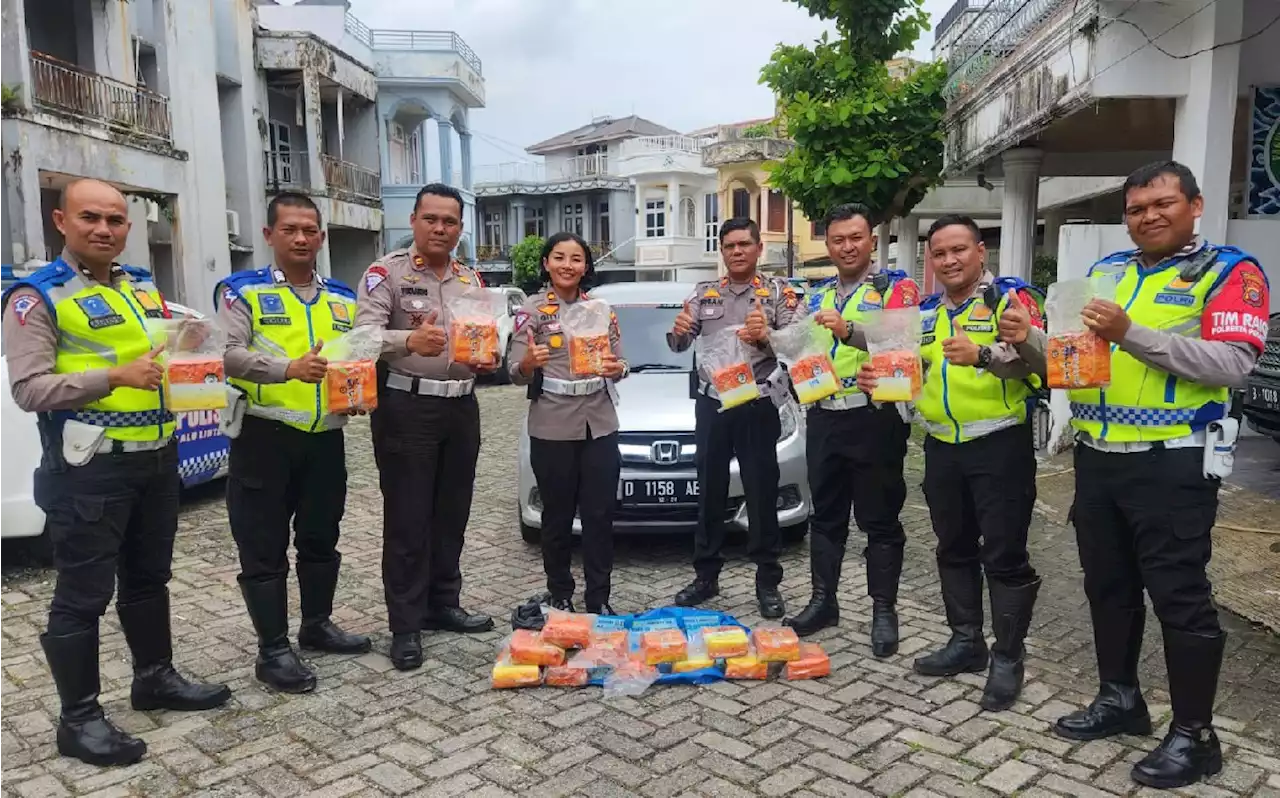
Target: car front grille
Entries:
(641, 448)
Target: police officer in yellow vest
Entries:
(855, 450)
(1188, 323)
(80, 356)
(980, 466)
(288, 459)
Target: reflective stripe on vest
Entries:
(960, 403)
(286, 327)
(848, 359)
(1142, 403)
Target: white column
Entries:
(1204, 120)
(311, 119)
(1018, 216)
(884, 233)
(519, 236)
(342, 126)
(384, 151)
(466, 160)
(908, 244)
(1052, 229)
(640, 188)
(445, 128)
(514, 208)
(423, 154)
(673, 206)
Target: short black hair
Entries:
(290, 199)
(588, 276)
(740, 223)
(953, 219)
(846, 211)
(1146, 175)
(439, 190)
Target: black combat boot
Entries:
(823, 609)
(884, 569)
(1118, 708)
(278, 665)
(1010, 620)
(156, 684)
(966, 651)
(698, 592)
(1190, 751)
(83, 729)
(317, 582)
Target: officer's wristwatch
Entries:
(984, 357)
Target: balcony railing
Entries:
(594, 165)
(576, 168)
(665, 144)
(426, 40)
(117, 105)
(1002, 26)
(347, 177)
(286, 170)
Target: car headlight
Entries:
(790, 419)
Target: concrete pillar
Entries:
(311, 121)
(513, 235)
(342, 127)
(884, 233)
(15, 53)
(673, 206)
(384, 149)
(909, 245)
(22, 204)
(445, 128)
(466, 160)
(1205, 117)
(519, 223)
(1052, 229)
(1018, 216)
(639, 197)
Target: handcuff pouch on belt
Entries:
(231, 417)
(80, 441)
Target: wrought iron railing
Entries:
(427, 40)
(120, 106)
(1001, 27)
(345, 176)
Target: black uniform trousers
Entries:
(281, 475)
(855, 457)
(582, 477)
(1143, 519)
(426, 449)
(981, 494)
(113, 517)
(749, 432)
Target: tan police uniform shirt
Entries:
(397, 294)
(556, 417)
(236, 320)
(717, 304)
(31, 349)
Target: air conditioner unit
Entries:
(233, 224)
(153, 211)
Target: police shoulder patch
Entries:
(374, 276)
(23, 305)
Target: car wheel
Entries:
(530, 534)
(796, 532)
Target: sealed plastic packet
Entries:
(473, 327)
(609, 632)
(726, 642)
(351, 381)
(893, 340)
(813, 663)
(586, 323)
(568, 629)
(746, 667)
(775, 643)
(724, 359)
(629, 678)
(664, 645)
(194, 375)
(803, 348)
(1076, 356)
(507, 674)
(527, 647)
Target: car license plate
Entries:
(658, 491)
(1264, 396)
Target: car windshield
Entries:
(644, 331)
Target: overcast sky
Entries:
(552, 65)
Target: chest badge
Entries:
(711, 293)
(417, 304)
(270, 304)
(762, 292)
(99, 311)
(549, 310)
(980, 312)
(872, 297)
(555, 341)
(340, 313)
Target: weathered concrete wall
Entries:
(302, 51)
(433, 66)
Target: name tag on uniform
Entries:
(978, 327)
(1184, 300)
(99, 312)
(275, 321)
(925, 340)
(412, 290)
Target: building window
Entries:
(493, 228)
(711, 227)
(404, 155)
(741, 203)
(655, 218)
(777, 221)
(573, 218)
(818, 230)
(280, 162)
(688, 216)
(602, 223)
(535, 222)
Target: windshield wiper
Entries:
(657, 367)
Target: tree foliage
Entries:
(860, 135)
(526, 263)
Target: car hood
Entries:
(655, 402)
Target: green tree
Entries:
(526, 264)
(860, 135)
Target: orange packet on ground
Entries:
(663, 645)
(195, 384)
(899, 376)
(586, 354)
(735, 384)
(776, 644)
(568, 629)
(813, 663)
(725, 642)
(814, 378)
(748, 667)
(352, 385)
(567, 676)
(1078, 360)
(528, 648)
(474, 341)
(618, 640)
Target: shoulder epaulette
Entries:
(931, 302)
(338, 287)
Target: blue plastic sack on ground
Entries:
(686, 619)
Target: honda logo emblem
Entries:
(666, 452)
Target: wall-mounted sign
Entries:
(1264, 153)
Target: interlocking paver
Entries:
(872, 728)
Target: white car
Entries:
(506, 323)
(203, 453)
(658, 485)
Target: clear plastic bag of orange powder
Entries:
(351, 381)
(726, 363)
(1076, 356)
(804, 348)
(586, 323)
(194, 375)
(893, 340)
(473, 327)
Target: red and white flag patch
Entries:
(23, 305)
(374, 277)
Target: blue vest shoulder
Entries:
(931, 302)
(137, 273)
(238, 281)
(51, 275)
(895, 275)
(338, 287)
(815, 299)
(1121, 257)
(1233, 255)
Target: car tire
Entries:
(530, 534)
(796, 532)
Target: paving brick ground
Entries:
(872, 728)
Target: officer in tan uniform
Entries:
(81, 357)
(426, 431)
(751, 431)
(573, 426)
